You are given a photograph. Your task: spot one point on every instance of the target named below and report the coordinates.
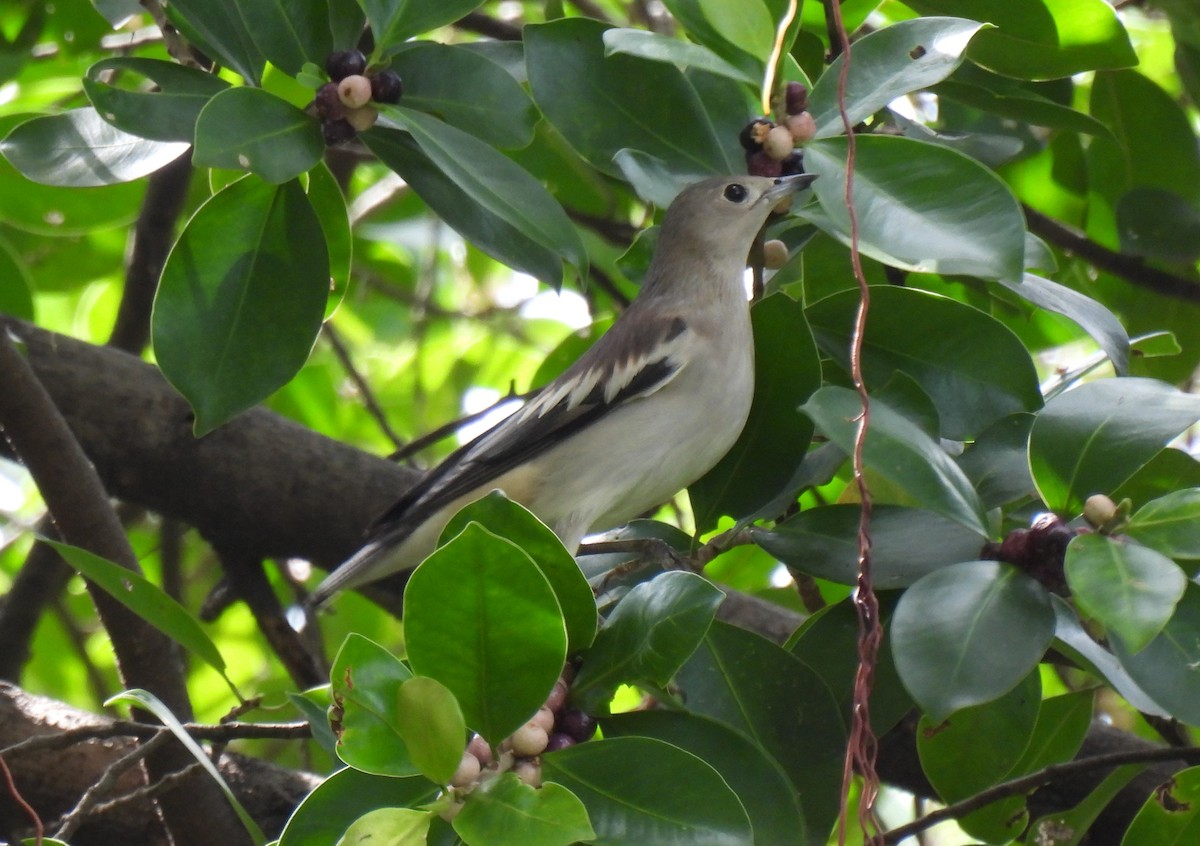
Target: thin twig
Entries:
(223, 733)
(69, 823)
(361, 385)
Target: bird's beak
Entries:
(787, 185)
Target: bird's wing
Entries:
(632, 360)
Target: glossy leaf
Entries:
(675, 51)
(908, 218)
(431, 723)
(899, 452)
(692, 15)
(782, 705)
(221, 30)
(366, 681)
(1041, 39)
(466, 90)
(906, 543)
(746, 25)
(167, 114)
(1131, 589)
(251, 129)
(647, 637)
(501, 516)
(776, 436)
(339, 800)
(1171, 815)
(393, 22)
(287, 33)
(330, 206)
(1170, 524)
(889, 63)
(388, 825)
(621, 782)
(480, 617)
(973, 367)
(241, 298)
(758, 781)
(507, 812)
(603, 104)
(968, 634)
(1092, 316)
(78, 149)
(997, 463)
(1168, 669)
(1091, 439)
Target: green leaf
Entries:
(1093, 317)
(647, 637)
(431, 723)
(221, 30)
(78, 149)
(148, 601)
(166, 114)
(747, 24)
(16, 294)
(973, 367)
(348, 794)
(675, 51)
(968, 634)
(1168, 669)
(692, 15)
(603, 104)
(622, 782)
(329, 203)
(1170, 524)
(900, 452)
(776, 436)
(288, 33)
(251, 129)
(466, 90)
(495, 182)
(501, 516)
(1171, 815)
(906, 543)
(147, 700)
(781, 704)
(1131, 589)
(393, 22)
(1092, 438)
(997, 463)
(889, 63)
(480, 617)
(1041, 39)
(366, 681)
(241, 298)
(1160, 225)
(1062, 727)
(913, 221)
(759, 782)
(400, 826)
(507, 812)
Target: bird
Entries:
(654, 404)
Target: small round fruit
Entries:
(544, 719)
(478, 747)
(557, 696)
(559, 740)
(355, 91)
(778, 144)
(345, 63)
(529, 740)
(795, 98)
(529, 771)
(802, 127)
(467, 772)
(775, 254)
(1099, 510)
(760, 164)
(362, 118)
(752, 134)
(328, 104)
(386, 87)
(337, 131)
(576, 724)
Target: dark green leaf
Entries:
(1171, 816)
(898, 451)
(345, 796)
(289, 33)
(431, 724)
(973, 367)
(330, 206)
(997, 463)
(251, 129)
(1160, 225)
(647, 637)
(166, 114)
(1062, 726)
(366, 681)
(480, 617)
(393, 22)
(889, 63)
(1131, 589)
(968, 634)
(241, 298)
(693, 14)
(675, 51)
(1170, 524)
(1168, 669)
(914, 221)
(79, 149)
(220, 29)
(776, 436)
(507, 812)
(466, 90)
(602, 104)
(16, 296)
(623, 782)
(906, 543)
(1091, 439)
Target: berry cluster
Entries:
(553, 727)
(1038, 550)
(771, 147)
(343, 105)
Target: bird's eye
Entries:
(736, 192)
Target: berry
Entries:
(337, 131)
(543, 719)
(529, 771)
(478, 747)
(775, 254)
(354, 91)
(345, 63)
(386, 87)
(559, 740)
(778, 144)
(1099, 510)
(362, 118)
(802, 127)
(529, 740)
(793, 164)
(557, 696)
(753, 134)
(576, 724)
(328, 104)
(795, 98)
(760, 164)
(467, 772)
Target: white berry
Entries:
(775, 254)
(778, 144)
(354, 91)
(529, 740)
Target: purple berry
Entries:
(337, 131)
(345, 63)
(328, 104)
(761, 164)
(795, 98)
(753, 134)
(559, 740)
(576, 725)
(386, 87)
